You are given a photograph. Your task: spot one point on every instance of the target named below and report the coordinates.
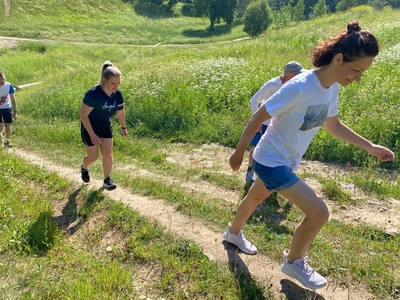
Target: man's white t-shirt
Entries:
(5, 92)
(267, 90)
(298, 110)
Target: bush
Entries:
(257, 18)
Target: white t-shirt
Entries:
(298, 110)
(5, 92)
(267, 90)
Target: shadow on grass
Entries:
(205, 33)
(40, 235)
(72, 217)
(152, 11)
(249, 288)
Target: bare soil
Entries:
(384, 214)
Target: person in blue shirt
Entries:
(99, 104)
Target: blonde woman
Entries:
(99, 104)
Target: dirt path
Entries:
(259, 266)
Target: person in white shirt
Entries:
(8, 108)
(298, 110)
(269, 88)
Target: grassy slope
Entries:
(108, 22)
(156, 81)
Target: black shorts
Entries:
(102, 128)
(6, 115)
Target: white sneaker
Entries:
(301, 271)
(239, 241)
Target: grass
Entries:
(64, 256)
(177, 98)
(121, 22)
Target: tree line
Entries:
(258, 15)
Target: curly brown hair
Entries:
(352, 42)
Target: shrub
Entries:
(258, 18)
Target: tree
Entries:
(319, 9)
(171, 3)
(241, 8)
(309, 5)
(284, 16)
(345, 4)
(257, 18)
(215, 10)
(298, 11)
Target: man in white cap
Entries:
(269, 88)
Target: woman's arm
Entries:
(341, 131)
(121, 121)
(84, 116)
(256, 120)
(14, 105)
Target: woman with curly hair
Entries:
(297, 111)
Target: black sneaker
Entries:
(85, 175)
(7, 144)
(109, 184)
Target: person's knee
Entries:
(107, 154)
(258, 195)
(92, 157)
(321, 214)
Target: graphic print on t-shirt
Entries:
(108, 107)
(315, 116)
(3, 99)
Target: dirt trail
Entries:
(259, 266)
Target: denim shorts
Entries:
(258, 135)
(275, 178)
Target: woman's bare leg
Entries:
(256, 194)
(316, 212)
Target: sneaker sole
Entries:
(244, 251)
(292, 274)
(109, 188)
(85, 180)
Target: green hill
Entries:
(178, 98)
(109, 22)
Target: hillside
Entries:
(108, 22)
(159, 234)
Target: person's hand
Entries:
(383, 153)
(124, 131)
(259, 130)
(235, 161)
(15, 115)
(95, 139)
